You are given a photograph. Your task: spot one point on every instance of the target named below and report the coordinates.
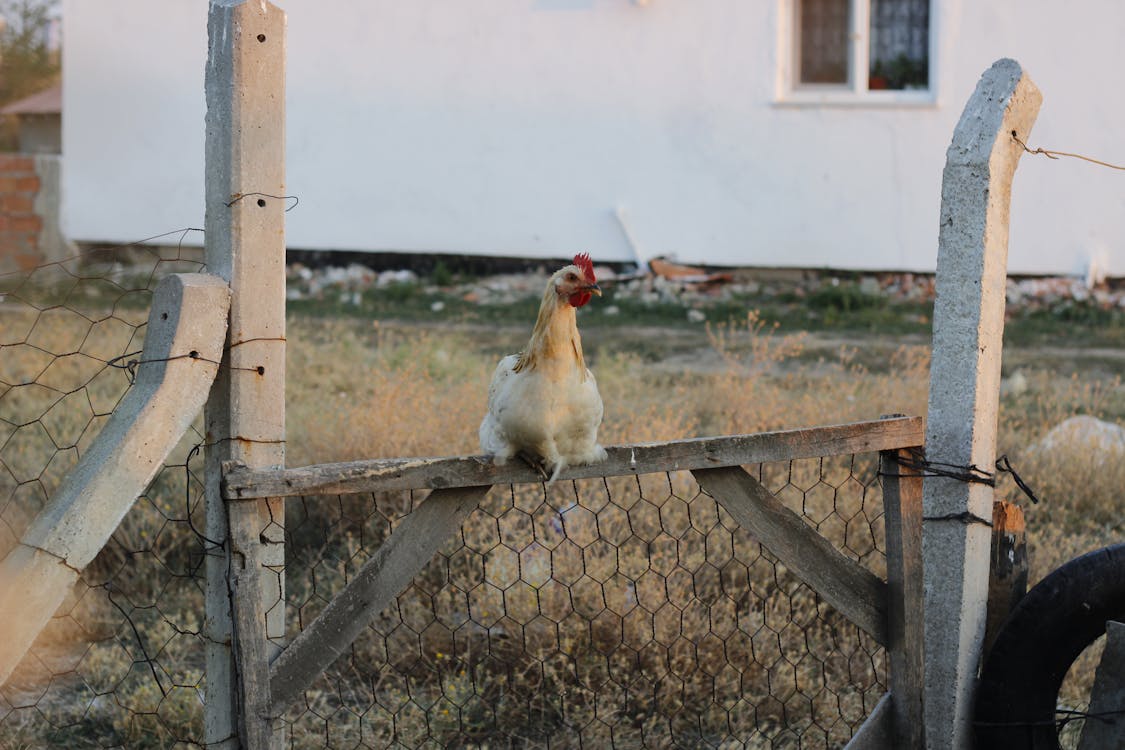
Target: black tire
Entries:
(1049, 628)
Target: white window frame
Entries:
(854, 93)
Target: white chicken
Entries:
(543, 403)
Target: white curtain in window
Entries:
(824, 41)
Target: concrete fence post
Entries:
(245, 415)
(964, 390)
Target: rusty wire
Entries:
(1056, 154)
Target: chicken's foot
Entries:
(535, 462)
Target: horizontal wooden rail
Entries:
(241, 482)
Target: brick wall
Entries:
(20, 225)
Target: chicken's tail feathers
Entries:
(492, 441)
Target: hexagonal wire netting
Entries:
(121, 662)
(622, 612)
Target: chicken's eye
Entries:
(571, 277)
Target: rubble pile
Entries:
(1049, 293)
(666, 283)
(302, 282)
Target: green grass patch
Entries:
(1070, 323)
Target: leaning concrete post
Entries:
(245, 416)
(965, 388)
(183, 343)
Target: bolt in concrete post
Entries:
(965, 388)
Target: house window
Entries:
(898, 53)
(823, 28)
(855, 48)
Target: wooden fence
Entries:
(889, 610)
(951, 534)
(937, 536)
(244, 245)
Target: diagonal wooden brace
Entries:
(856, 592)
(390, 570)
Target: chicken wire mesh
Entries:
(120, 664)
(624, 612)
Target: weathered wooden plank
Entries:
(902, 505)
(643, 458)
(876, 733)
(248, 642)
(393, 566)
(1108, 695)
(856, 592)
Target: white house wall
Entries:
(538, 128)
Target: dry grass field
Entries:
(744, 377)
(589, 581)
(399, 390)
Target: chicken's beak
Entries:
(593, 289)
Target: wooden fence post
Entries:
(902, 503)
(964, 390)
(1007, 579)
(245, 416)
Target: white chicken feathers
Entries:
(543, 403)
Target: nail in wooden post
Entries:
(964, 389)
(245, 416)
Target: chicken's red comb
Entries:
(582, 260)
